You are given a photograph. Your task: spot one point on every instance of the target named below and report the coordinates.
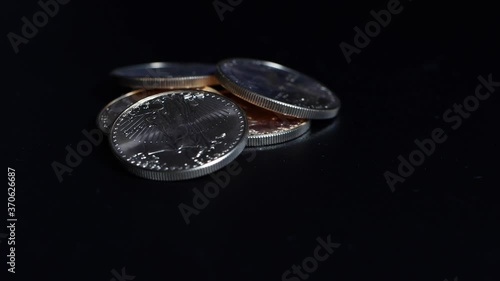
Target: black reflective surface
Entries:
(91, 219)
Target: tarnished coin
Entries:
(163, 75)
(267, 127)
(277, 88)
(113, 109)
(179, 135)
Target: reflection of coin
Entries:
(277, 88)
(179, 135)
(113, 109)
(162, 75)
(266, 127)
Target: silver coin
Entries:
(162, 75)
(278, 88)
(179, 135)
(266, 127)
(113, 109)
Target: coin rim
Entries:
(163, 82)
(198, 171)
(272, 104)
(278, 137)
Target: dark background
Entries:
(442, 222)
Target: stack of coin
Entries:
(174, 126)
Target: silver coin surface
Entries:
(163, 75)
(112, 110)
(277, 88)
(267, 127)
(179, 135)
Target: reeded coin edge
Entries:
(275, 105)
(285, 145)
(278, 137)
(206, 168)
(168, 83)
(162, 83)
